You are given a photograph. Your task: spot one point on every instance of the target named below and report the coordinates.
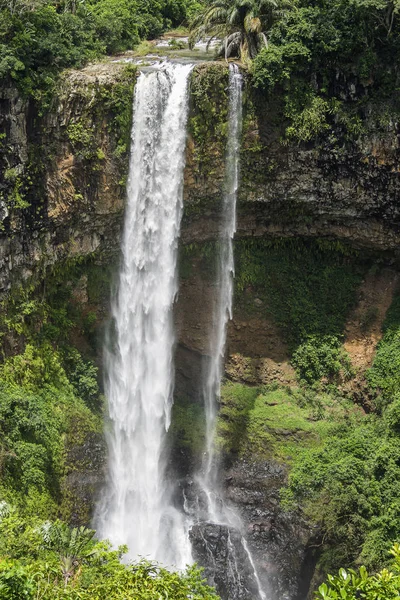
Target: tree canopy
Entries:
(38, 38)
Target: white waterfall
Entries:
(223, 302)
(217, 510)
(136, 507)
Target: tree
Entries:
(72, 544)
(384, 11)
(242, 25)
(355, 585)
(18, 7)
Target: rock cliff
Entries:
(62, 188)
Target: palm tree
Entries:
(73, 545)
(242, 25)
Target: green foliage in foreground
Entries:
(357, 585)
(50, 561)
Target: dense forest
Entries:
(328, 66)
(303, 48)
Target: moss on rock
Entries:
(272, 423)
(307, 286)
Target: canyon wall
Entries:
(308, 210)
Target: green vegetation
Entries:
(41, 415)
(344, 465)
(352, 585)
(209, 121)
(49, 394)
(39, 38)
(327, 60)
(52, 561)
(308, 287)
(273, 422)
(111, 103)
(321, 357)
(349, 485)
(187, 429)
(384, 376)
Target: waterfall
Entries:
(217, 511)
(223, 303)
(136, 508)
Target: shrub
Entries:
(353, 585)
(350, 487)
(321, 357)
(16, 583)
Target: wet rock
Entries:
(221, 550)
(281, 543)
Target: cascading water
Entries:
(136, 508)
(223, 305)
(217, 511)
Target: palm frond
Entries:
(247, 20)
(263, 39)
(252, 24)
(232, 44)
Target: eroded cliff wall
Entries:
(316, 253)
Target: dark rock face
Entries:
(62, 187)
(84, 478)
(281, 543)
(221, 550)
(341, 189)
(279, 547)
(348, 191)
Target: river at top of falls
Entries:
(136, 508)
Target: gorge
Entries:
(316, 262)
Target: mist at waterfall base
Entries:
(136, 507)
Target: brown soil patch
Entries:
(193, 312)
(257, 371)
(257, 354)
(256, 336)
(364, 328)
